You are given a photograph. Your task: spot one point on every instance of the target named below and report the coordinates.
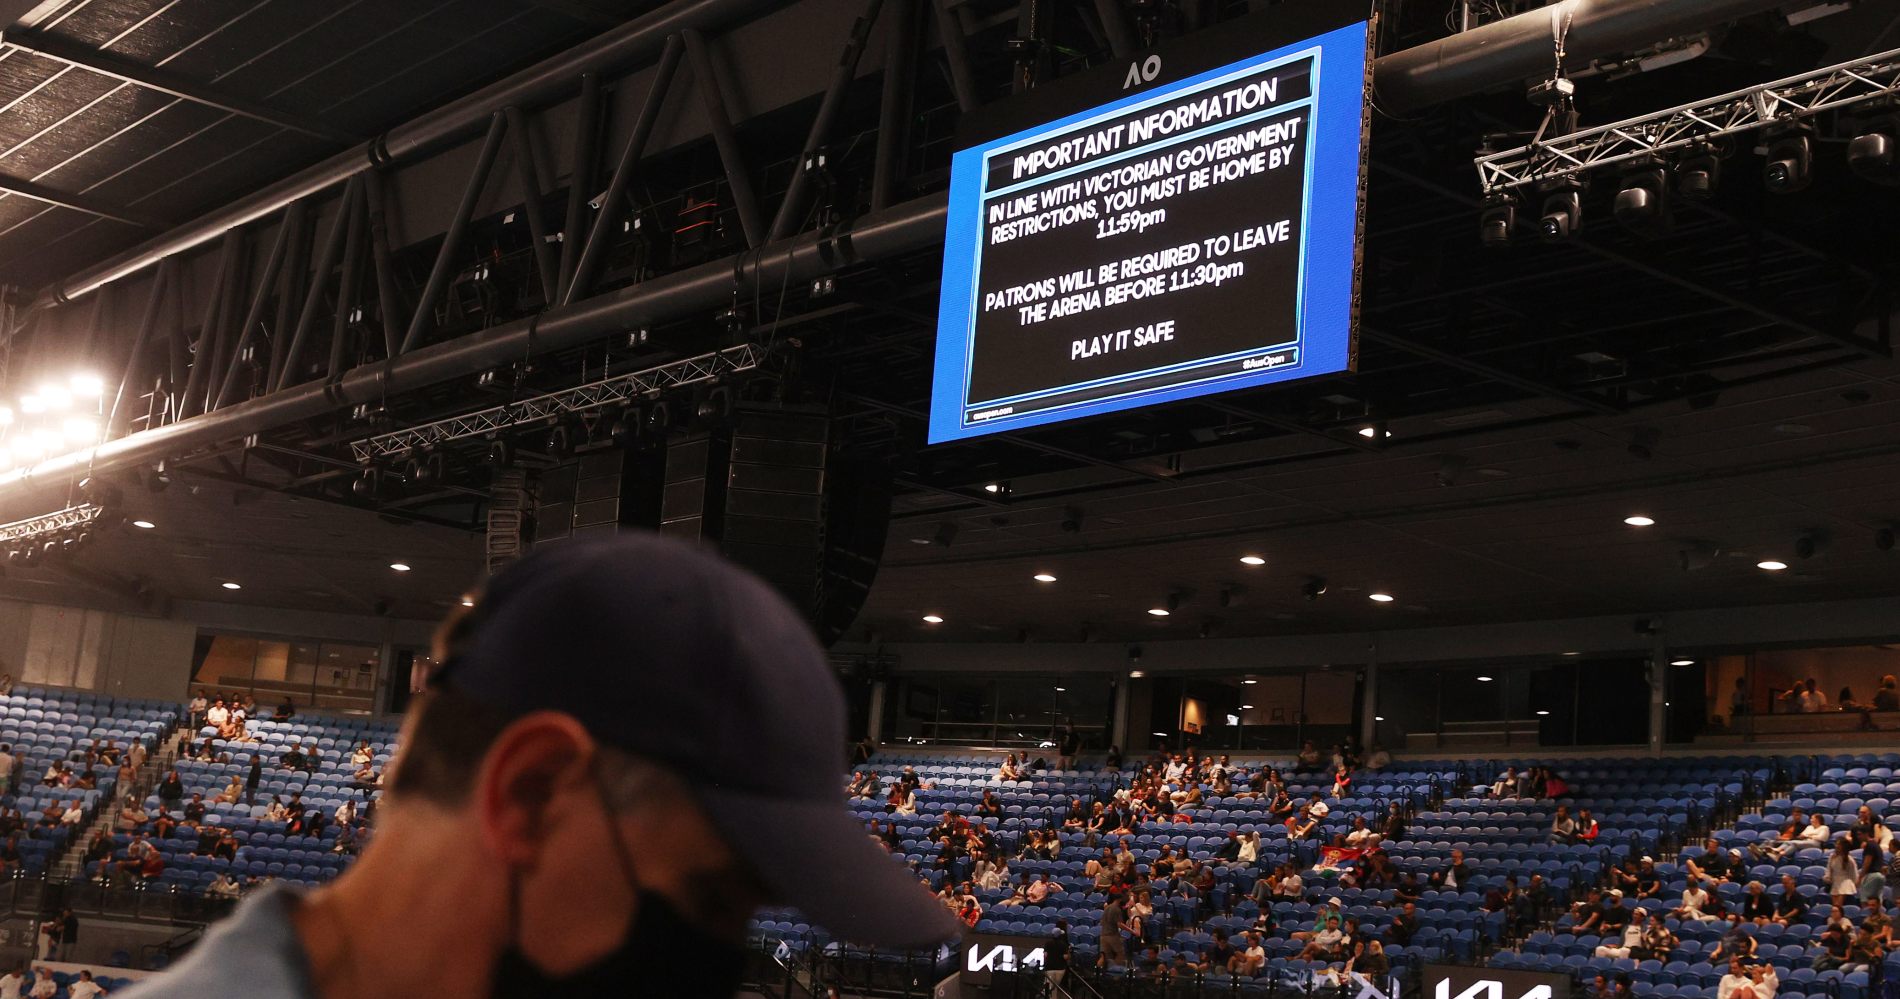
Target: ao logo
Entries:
(1489, 990)
(1142, 72)
(1002, 957)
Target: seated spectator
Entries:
(1836, 941)
(275, 811)
(285, 711)
(1659, 944)
(1715, 864)
(1563, 828)
(1628, 940)
(1887, 696)
(222, 886)
(1868, 828)
(1453, 874)
(74, 814)
(1791, 907)
(233, 791)
(1308, 761)
(1303, 825)
(11, 861)
(1506, 786)
(171, 790)
(1737, 942)
(1757, 907)
(163, 823)
(44, 987)
(1342, 782)
(1009, 770)
(1697, 902)
(1794, 835)
(1745, 981)
(1804, 698)
(195, 808)
(1404, 926)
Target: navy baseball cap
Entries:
(668, 653)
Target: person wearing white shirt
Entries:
(13, 983)
(220, 887)
(217, 715)
(1758, 982)
(1808, 698)
(74, 814)
(1291, 886)
(1174, 771)
(1816, 833)
(1318, 807)
(1632, 936)
(85, 988)
(1694, 897)
(43, 985)
(1249, 847)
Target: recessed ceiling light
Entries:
(1639, 521)
(932, 619)
(1484, 679)
(144, 525)
(1371, 432)
(1682, 662)
(1061, 689)
(468, 601)
(1771, 565)
(1378, 718)
(1252, 560)
(399, 566)
(1246, 707)
(231, 586)
(1383, 598)
(1164, 735)
(993, 487)
(1573, 653)
(1043, 577)
(1250, 682)
(1135, 674)
(1543, 712)
(1159, 611)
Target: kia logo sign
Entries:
(985, 954)
(1451, 982)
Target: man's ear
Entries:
(531, 762)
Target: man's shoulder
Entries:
(255, 953)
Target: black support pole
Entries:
(600, 232)
(841, 76)
(147, 323)
(1122, 42)
(289, 293)
(893, 110)
(346, 289)
(388, 301)
(424, 318)
(273, 263)
(707, 82)
(319, 281)
(533, 186)
(222, 351)
(581, 183)
(200, 360)
(956, 55)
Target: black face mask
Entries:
(662, 955)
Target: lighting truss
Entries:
(48, 524)
(580, 399)
(1690, 125)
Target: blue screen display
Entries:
(1192, 238)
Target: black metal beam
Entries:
(273, 263)
(706, 80)
(581, 182)
(956, 57)
(841, 77)
(165, 82)
(319, 282)
(901, 39)
(1123, 43)
(347, 285)
(533, 186)
(147, 323)
(80, 203)
(601, 231)
(388, 299)
(201, 355)
(423, 320)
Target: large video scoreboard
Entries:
(1196, 235)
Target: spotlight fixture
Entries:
(1561, 216)
(933, 619)
(1257, 560)
(1771, 565)
(996, 488)
(1043, 577)
(1874, 154)
(143, 525)
(1498, 219)
(1375, 431)
(1639, 521)
(1698, 173)
(1381, 598)
(1790, 160)
(369, 483)
(86, 385)
(399, 566)
(1642, 203)
(1313, 589)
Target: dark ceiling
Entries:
(355, 66)
(1738, 355)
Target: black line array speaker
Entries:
(772, 493)
(767, 489)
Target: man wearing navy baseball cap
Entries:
(629, 746)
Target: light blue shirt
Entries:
(254, 954)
